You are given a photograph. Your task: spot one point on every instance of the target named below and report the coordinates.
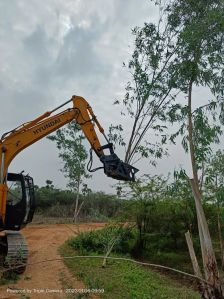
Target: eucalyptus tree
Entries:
(72, 151)
(148, 93)
(171, 59)
(199, 61)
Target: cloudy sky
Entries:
(53, 49)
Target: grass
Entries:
(178, 260)
(121, 279)
(9, 278)
(66, 284)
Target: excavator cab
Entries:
(20, 205)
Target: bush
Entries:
(99, 241)
(60, 211)
(98, 206)
(96, 216)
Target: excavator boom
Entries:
(23, 136)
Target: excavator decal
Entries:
(50, 124)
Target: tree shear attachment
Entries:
(116, 168)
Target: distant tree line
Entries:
(97, 206)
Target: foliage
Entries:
(47, 197)
(163, 211)
(186, 45)
(144, 194)
(214, 178)
(198, 61)
(69, 141)
(97, 241)
(147, 93)
(53, 202)
(9, 277)
(214, 192)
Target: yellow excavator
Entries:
(17, 198)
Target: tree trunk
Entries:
(220, 238)
(219, 227)
(76, 203)
(213, 288)
(194, 261)
(109, 252)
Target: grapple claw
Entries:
(116, 168)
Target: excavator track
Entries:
(17, 252)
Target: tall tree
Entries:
(69, 141)
(199, 62)
(184, 51)
(148, 93)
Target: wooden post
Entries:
(197, 270)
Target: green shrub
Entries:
(95, 215)
(100, 240)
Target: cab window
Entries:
(14, 192)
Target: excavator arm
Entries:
(23, 136)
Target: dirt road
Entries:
(45, 280)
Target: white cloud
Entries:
(52, 50)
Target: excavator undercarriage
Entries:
(19, 212)
(13, 252)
